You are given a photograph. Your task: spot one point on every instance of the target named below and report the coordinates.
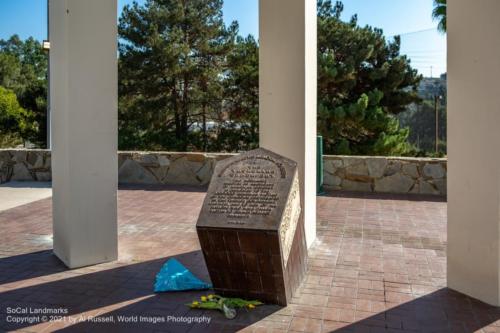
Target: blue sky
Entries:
(409, 18)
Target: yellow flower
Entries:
(203, 298)
(195, 304)
(251, 306)
(210, 296)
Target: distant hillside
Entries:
(421, 117)
(430, 87)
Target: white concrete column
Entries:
(84, 98)
(473, 148)
(287, 97)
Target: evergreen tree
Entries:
(172, 60)
(241, 98)
(363, 83)
(187, 83)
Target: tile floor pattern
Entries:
(378, 265)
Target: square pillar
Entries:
(473, 149)
(84, 99)
(287, 91)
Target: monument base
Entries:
(251, 228)
(247, 263)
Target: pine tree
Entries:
(363, 83)
(241, 98)
(172, 57)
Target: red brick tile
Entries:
(347, 315)
(379, 264)
(313, 325)
(298, 324)
(331, 326)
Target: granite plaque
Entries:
(250, 227)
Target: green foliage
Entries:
(226, 305)
(173, 57)
(439, 14)
(15, 122)
(241, 98)
(187, 82)
(23, 69)
(10, 140)
(363, 83)
(421, 119)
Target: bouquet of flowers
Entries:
(227, 305)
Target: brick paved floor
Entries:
(378, 265)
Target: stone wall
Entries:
(32, 165)
(133, 167)
(167, 168)
(385, 174)
(366, 174)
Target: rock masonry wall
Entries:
(347, 173)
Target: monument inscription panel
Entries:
(250, 229)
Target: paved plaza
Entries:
(15, 194)
(378, 265)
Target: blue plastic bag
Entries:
(173, 276)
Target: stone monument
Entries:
(251, 229)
